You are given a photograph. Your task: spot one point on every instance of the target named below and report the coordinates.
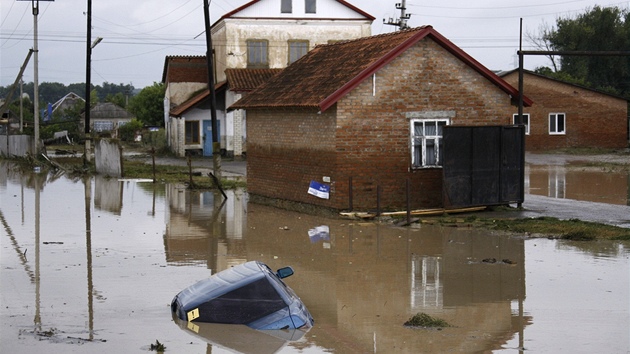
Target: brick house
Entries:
(370, 111)
(566, 115)
(261, 34)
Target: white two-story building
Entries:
(260, 35)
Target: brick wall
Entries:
(366, 135)
(593, 120)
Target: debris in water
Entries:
(422, 319)
(158, 347)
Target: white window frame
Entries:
(420, 141)
(525, 119)
(554, 118)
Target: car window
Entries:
(243, 305)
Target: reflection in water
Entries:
(558, 181)
(87, 185)
(240, 338)
(108, 194)
(360, 280)
(426, 287)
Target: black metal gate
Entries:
(483, 165)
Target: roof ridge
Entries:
(376, 37)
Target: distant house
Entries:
(60, 107)
(351, 117)
(565, 115)
(261, 34)
(107, 118)
(196, 114)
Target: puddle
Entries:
(92, 265)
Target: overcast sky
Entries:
(139, 34)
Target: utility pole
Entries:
(21, 106)
(35, 6)
(401, 22)
(35, 77)
(216, 145)
(88, 72)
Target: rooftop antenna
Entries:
(401, 22)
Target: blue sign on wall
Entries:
(319, 190)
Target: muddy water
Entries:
(91, 265)
(569, 181)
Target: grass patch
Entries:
(573, 229)
(422, 319)
(175, 174)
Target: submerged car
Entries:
(250, 294)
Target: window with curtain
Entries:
(297, 49)
(557, 123)
(258, 53)
(427, 142)
(192, 132)
(310, 6)
(286, 6)
(525, 121)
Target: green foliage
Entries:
(148, 105)
(569, 229)
(118, 99)
(93, 98)
(561, 75)
(599, 29)
(51, 92)
(128, 131)
(157, 141)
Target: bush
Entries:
(128, 131)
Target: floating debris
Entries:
(158, 347)
(422, 319)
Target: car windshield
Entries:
(243, 305)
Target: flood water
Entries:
(578, 183)
(91, 265)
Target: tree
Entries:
(599, 29)
(118, 99)
(128, 131)
(148, 105)
(541, 42)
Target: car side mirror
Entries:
(284, 272)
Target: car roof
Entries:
(224, 282)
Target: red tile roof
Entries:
(240, 80)
(195, 100)
(328, 72)
(185, 69)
